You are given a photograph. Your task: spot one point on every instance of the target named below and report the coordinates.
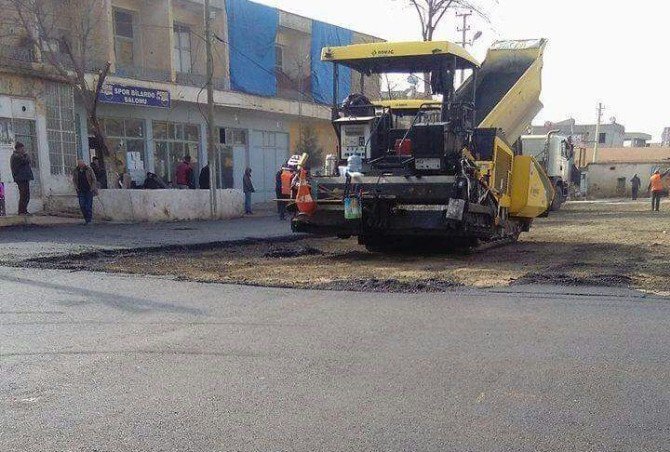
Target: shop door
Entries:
(621, 186)
(268, 152)
(230, 164)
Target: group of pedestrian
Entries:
(185, 179)
(83, 178)
(185, 176)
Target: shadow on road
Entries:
(112, 300)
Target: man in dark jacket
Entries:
(635, 184)
(281, 206)
(203, 180)
(99, 172)
(22, 174)
(84, 182)
(248, 188)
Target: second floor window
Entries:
(124, 37)
(602, 138)
(181, 54)
(279, 58)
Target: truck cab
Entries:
(555, 153)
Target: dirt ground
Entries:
(590, 243)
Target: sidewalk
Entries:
(33, 240)
(36, 220)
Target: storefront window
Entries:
(125, 138)
(24, 132)
(5, 131)
(61, 128)
(113, 127)
(173, 142)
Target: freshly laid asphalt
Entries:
(96, 362)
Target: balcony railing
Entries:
(200, 80)
(143, 73)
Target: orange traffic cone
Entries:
(303, 199)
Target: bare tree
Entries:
(431, 14)
(66, 38)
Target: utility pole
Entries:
(464, 30)
(211, 136)
(597, 137)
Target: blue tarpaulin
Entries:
(252, 33)
(326, 35)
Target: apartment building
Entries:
(269, 83)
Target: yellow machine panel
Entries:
(532, 192)
(503, 159)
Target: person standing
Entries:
(248, 188)
(184, 174)
(279, 192)
(85, 183)
(99, 172)
(22, 174)
(656, 188)
(203, 180)
(635, 184)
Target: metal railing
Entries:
(143, 73)
(200, 80)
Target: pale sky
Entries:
(599, 51)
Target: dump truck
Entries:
(453, 178)
(556, 154)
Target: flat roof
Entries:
(398, 57)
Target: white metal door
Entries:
(268, 151)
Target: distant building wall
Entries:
(612, 180)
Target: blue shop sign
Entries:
(134, 95)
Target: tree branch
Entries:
(419, 12)
(101, 81)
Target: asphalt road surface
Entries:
(94, 362)
(23, 243)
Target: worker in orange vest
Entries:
(283, 180)
(656, 188)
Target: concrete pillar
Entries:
(150, 146)
(43, 149)
(108, 33)
(202, 152)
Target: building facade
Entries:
(269, 87)
(610, 176)
(613, 179)
(609, 135)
